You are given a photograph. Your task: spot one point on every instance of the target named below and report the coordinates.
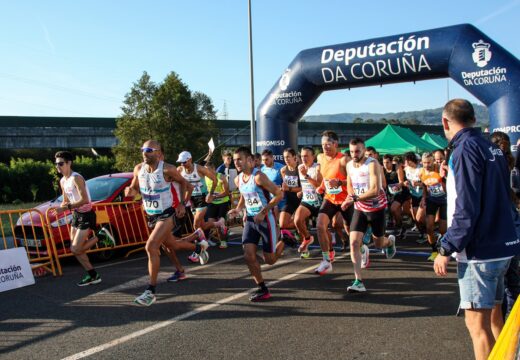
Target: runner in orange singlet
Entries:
(333, 169)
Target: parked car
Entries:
(124, 223)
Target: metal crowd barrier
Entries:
(26, 228)
(124, 222)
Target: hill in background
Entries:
(424, 117)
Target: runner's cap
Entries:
(184, 156)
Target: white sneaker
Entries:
(365, 257)
(147, 298)
(203, 255)
(200, 234)
(357, 286)
(324, 268)
(194, 257)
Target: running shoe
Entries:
(89, 280)
(414, 229)
(288, 238)
(305, 255)
(332, 254)
(422, 239)
(223, 244)
(433, 256)
(146, 299)
(177, 276)
(213, 242)
(365, 257)
(222, 226)
(357, 287)
(391, 250)
(305, 245)
(324, 268)
(194, 257)
(105, 237)
(260, 295)
(203, 255)
(367, 237)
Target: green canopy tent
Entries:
(436, 140)
(396, 140)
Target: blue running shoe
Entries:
(368, 236)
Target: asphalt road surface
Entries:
(407, 313)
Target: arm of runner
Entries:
(225, 186)
(211, 175)
(400, 175)
(263, 181)
(350, 191)
(64, 202)
(133, 189)
(375, 182)
(284, 185)
(240, 205)
(79, 183)
(174, 175)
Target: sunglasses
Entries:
(148, 149)
(61, 163)
(183, 162)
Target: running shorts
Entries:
(376, 219)
(83, 221)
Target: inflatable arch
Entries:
(460, 52)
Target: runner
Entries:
(310, 179)
(153, 179)
(369, 199)
(76, 198)
(333, 169)
(291, 186)
(218, 209)
(200, 197)
(272, 169)
(260, 223)
(414, 185)
(434, 199)
(399, 194)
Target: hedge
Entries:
(27, 180)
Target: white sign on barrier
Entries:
(15, 270)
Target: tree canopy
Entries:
(167, 112)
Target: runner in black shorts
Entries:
(414, 185)
(399, 195)
(310, 179)
(291, 187)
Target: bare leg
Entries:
(323, 229)
(252, 262)
(300, 220)
(497, 320)
(478, 322)
(356, 240)
(80, 245)
(160, 233)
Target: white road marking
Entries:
(180, 317)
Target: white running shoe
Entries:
(391, 250)
(365, 257)
(357, 287)
(324, 268)
(194, 257)
(147, 298)
(203, 255)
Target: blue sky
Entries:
(79, 58)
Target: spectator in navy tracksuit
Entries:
(481, 231)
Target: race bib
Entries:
(332, 190)
(197, 188)
(310, 196)
(253, 203)
(436, 190)
(291, 181)
(152, 204)
(359, 188)
(394, 188)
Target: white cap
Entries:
(184, 156)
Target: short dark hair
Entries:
(357, 141)
(330, 134)
(65, 155)
(438, 150)
(290, 151)
(371, 148)
(244, 150)
(410, 156)
(460, 111)
(227, 153)
(267, 152)
(308, 148)
(257, 155)
(388, 157)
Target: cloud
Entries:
(497, 12)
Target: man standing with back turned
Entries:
(481, 231)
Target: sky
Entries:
(80, 58)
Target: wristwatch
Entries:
(355, 198)
(442, 251)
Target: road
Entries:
(408, 313)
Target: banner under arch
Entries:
(461, 52)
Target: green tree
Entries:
(167, 112)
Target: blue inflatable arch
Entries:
(460, 52)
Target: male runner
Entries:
(434, 199)
(76, 198)
(399, 194)
(310, 179)
(260, 223)
(153, 179)
(291, 187)
(333, 169)
(369, 199)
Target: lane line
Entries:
(181, 317)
